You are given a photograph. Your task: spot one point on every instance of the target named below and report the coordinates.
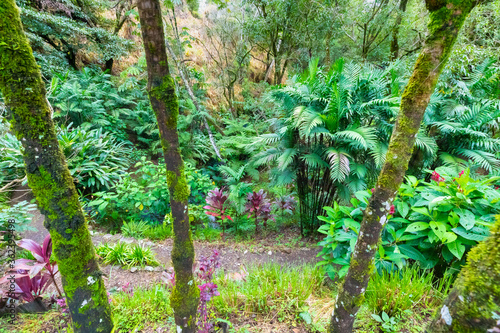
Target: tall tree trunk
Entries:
(49, 178)
(395, 31)
(475, 297)
(161, 89)
(195, 101)
(446, 19)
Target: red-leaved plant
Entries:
(217, 205)
(34, 276)
(260, 207)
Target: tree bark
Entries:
(161, 89)
(446, 19)
(475, 296)
(395, 31)
(195, 101)
(49, 178)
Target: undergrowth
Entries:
(127, 255)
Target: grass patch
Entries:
(270, 292)
(207, 234)
(408, 289)
(402, 301)
(159, 232)
(144, 308)
(51, 321)
(127, 255)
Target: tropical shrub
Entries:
(258, 206)
(33, 276)
(462, 122)
(199, 184)
(433, 223)
(95, 158)
(142, 195)
(90, 100)
(332, 130)
(217, 205)
(285, 204)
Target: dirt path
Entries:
(233, 256)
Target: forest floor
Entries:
(284, 247)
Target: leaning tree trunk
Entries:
(161, 89)
(446, 19)
(475, 297)
(49, 178)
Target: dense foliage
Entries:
(300, 99)
(432, 223)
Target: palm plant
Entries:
(331, 133)
(462, 122)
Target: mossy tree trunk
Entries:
(475, 297)
(446, 19)
(49, 178)
(161, 89)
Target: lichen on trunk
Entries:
(161, 88)
(446, 19)
(49, 178)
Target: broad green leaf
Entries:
(411, 252)
(343, 271)
(456, 248)
(351, 224)
(417, 226)
(402, 208)
(102, 206)
(437, 201)
(469, 234)
(439, 228)
(467, 218)
(421, 210)
(411, 236)
(449, 237)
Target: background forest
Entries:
(286, 110)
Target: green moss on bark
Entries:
(49, 177)
(161, 89)
(446, 19)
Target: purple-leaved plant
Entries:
(259, 206)
(35, 274)
(128, 289)
(217, 205)
(286, 204)
(30, 288)
(205, 271)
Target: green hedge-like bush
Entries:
(434, 223)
